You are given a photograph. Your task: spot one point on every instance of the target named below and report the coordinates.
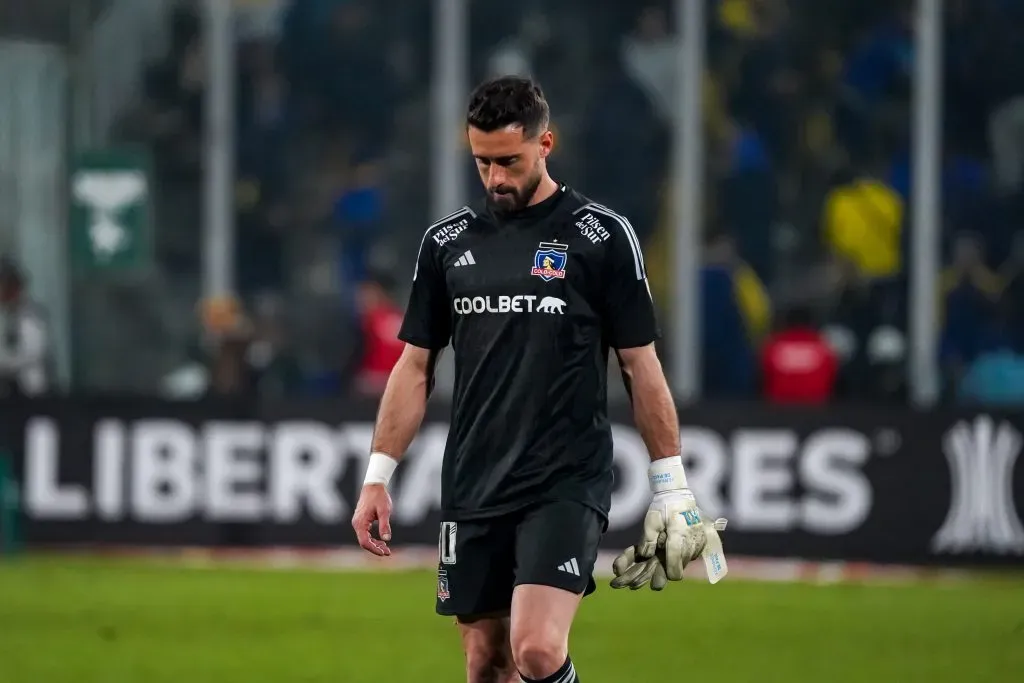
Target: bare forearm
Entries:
(654, 410)
(401, 409)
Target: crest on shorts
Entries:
(442, 585)
(549, 261)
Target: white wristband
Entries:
(667, 474)
(379, 469)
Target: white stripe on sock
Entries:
(569, 676)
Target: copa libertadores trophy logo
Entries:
(982, 516)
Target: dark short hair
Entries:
(508, 101)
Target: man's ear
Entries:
(547, 143)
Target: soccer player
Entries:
(531, 288)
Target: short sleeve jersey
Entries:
(531, 304)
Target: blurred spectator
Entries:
(353, 80)
(851, 321)
(970, 291)
(516, 55)
(748, 198)
(270, 355)
(797, 363)
(965, 182)
(1011, 275)
(996, 376)
(239, 355)
(1007, 133)
(172, 115)
(264, 119)
(995, 379)
(650, 56)
(768, 88)
(260, 239)
(885, 377)
(227, 334)
(1002, 71)
(632, 183)
(735, 315)
(739, 18)
(332, 335)
(863, 223)
(358, 216)
(262, 217)
(877, 72)
(24, 341)
(380, 319)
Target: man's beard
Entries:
(507, 199)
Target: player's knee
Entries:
(486, 664)
(538, 654)
(488, 659)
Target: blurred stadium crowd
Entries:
(807, 120)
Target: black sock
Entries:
(566, 674)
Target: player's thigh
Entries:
(541, 619)
(485, 640)
(556, 549)
(476, 567)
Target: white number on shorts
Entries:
(446, 542)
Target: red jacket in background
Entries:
(381, 346)
(798, 367)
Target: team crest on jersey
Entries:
(442, 585)
(549, 261)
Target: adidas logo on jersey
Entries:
(466, 260)
(570, 567)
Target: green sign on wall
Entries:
(110, 210)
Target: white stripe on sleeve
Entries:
(627, 228)
(450, 217)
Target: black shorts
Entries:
(481, 561)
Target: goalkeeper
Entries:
(531, 288)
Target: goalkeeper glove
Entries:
(675, 533)
(636, 574)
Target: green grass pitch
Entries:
(112, 621)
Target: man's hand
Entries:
(674, 534)
(674, 524)
(374, 506)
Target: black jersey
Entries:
(531, 304)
